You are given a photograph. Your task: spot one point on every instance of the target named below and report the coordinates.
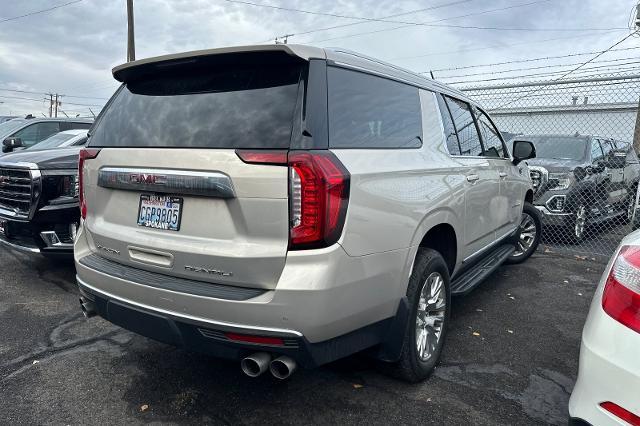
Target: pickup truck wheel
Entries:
(530, 231)
(429, 296)
(579, 224)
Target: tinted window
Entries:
(36, 132)
(80, 125)
(372, 112)
(559, 147)
(493, 146)
(596, 151)
(53, 141)
(465, 126)
(449, 129)
(244, 107)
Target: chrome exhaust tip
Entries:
(255, 364)
(88, 307)
(282, 367)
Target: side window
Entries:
(493, 145)
(46, 129)
(596, 151)
(449, 129)
(28, 135)
(80, 125)
(366, 111)
(465, 126)
(606, 146)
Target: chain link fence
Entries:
(586, 172)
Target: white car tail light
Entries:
(621, 297)
(85, 154)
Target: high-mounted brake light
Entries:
(85, 154)
(621, 296)
(318, 194)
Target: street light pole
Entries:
(131, 46)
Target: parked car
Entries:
(289, 205)
(39, 210)
(63, 139)
(581, 181)
(608, 387)
(21, 133)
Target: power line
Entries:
(589, 70)
(566, 74)
(493, 72)
(4, 89)
(432, 22)
(474, 49)
(544, 58)
(13, 18)
(412, 23)
(439, 6)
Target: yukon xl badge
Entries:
(208, 271)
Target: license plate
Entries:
(160, 212)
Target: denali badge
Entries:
(107, 249)
(208, 271)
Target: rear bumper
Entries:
(324, 298)
(211, 337)
(609, 369)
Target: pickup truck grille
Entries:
(16, 192)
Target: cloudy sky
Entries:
(71, 49)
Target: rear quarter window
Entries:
(366, 111)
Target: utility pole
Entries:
(131, 46)
(56, 106)
(50, 104)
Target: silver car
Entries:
(288, 205)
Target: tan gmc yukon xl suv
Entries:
(288, 205)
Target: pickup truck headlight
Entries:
(560, 181)
(69, 186)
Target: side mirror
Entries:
(9, 144)
(523, 150)
(617, 159)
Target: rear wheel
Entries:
(429, 296)
(530, 231)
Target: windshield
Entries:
(248, 107)
(53, 141)
(559, 147)
(8, 127)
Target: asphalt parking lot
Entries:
(511, 358)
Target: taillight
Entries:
(621, 296)
(621, 413)
(85, 154)
(318, 194)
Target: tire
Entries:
(578, 224)
(412, 367)
(530, 232)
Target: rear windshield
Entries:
(559, 147)
(231, 108)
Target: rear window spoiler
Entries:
(257, 54)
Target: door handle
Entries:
(502, 175)
(472, 178)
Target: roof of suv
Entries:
(338, 56)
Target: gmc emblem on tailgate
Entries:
(147, 179)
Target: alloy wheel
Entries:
(528, 233)
(430, 316)
(581, 220)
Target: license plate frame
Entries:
(173, 225)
